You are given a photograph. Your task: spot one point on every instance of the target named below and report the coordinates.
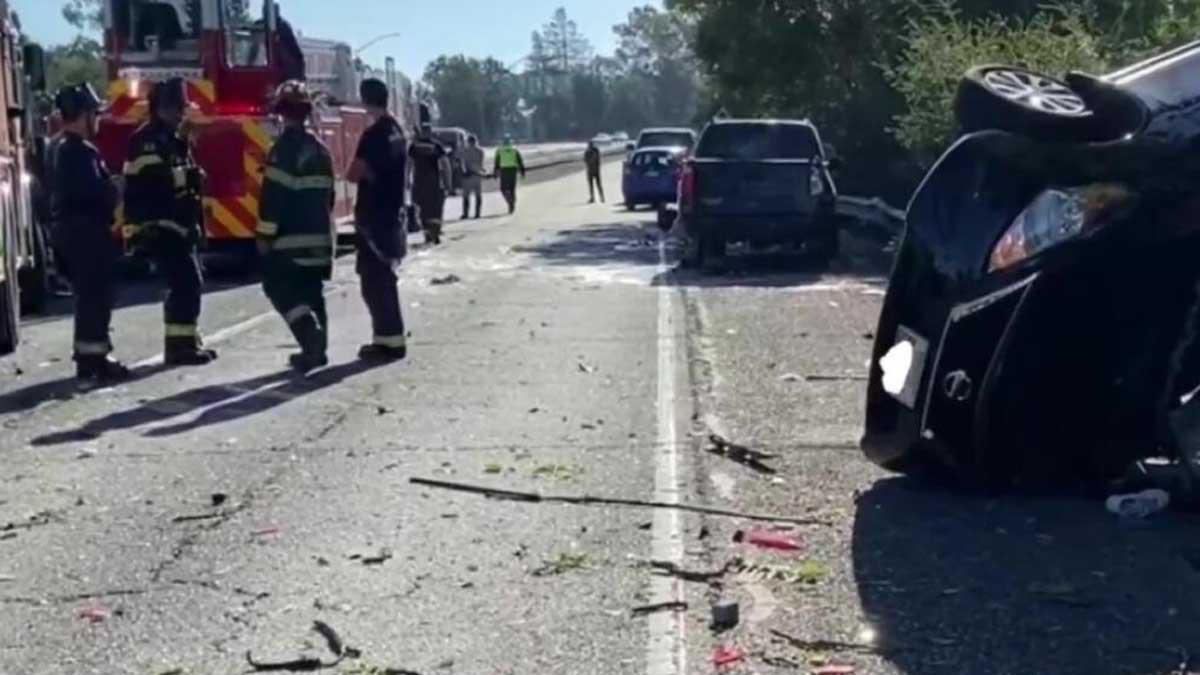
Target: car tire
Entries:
(824, 248)
(630, 206)
(1008, 98)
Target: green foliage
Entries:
(480, 95)
(79, 61)
(84, 15)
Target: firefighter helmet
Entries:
(293, 100)
(169, 95)
(75, 100)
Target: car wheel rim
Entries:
(1036, 92)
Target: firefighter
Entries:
(429, 179)
(380, 170)
(508, 164)
(84, 199)
(163, 186)
(295, 230)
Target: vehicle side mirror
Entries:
(35, 66)
(630, 147)
(834, 164)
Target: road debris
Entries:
(835, 645)
(1138, 506)
(565, 562)
(836, 378)
(197, 517)
(334, 641)
(586, 369)
(791, 377)
(311, 664)
(445, 281)
(835, 669)
(672, 606)
(95, 614)
(219, 498)
(379, 558)
(559, 472)
(740, 454)
(770, 541)
(725, 656)
(725, 615)
(585, 500)
(667, 568)
(266, 532)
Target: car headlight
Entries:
(816, 184)
(1056, 216)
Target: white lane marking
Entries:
(217, 337)
(667, 649)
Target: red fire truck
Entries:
(232, 62)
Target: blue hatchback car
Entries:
(652, 176)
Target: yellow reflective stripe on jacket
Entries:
(136, 166)
(267, 228)
(298, 183)
(181, 330)
(295, 241)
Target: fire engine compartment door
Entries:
(220, 148)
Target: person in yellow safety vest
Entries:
(295, 230)
(509, 163)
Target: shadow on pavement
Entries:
(220, 403)
(134, 294)
(956, 584)
(64, 389)
(635, 243)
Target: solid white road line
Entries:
(667, 649)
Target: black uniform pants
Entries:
(508, 187)
(378, 283)
(298, 294)
(594, 184)
(432, 205)
(92, 263)
(179, 264)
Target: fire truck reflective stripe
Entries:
(136, 166)
(267, 229)
(167, 225)
(295, 241)
(313, 262)
(391, 341)
(299, 312)
(181, 330)
(92, 348)
(257, 134)
(232, 225)
(299, 183)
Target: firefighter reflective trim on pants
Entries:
(181, 178)
(299, 312)
(299, 183)
(134, 167)
(391, 342)
(92, 348)
(312, 262)
(267, 228)
(167, 225)
(181, 330)
(295, 241)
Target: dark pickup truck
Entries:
(761, 182)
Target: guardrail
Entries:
(872, 212)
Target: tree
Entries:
(84, 15)
(655, 46)
(474, 94)
(563, 44)
(78, 61)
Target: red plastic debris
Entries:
(834, 670)
(724, 657)
(95, 614)
(772, 541)
(268, 532)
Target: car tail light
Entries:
(687, 186)
(816, 182)
(1057, 216)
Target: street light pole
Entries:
(373, 41)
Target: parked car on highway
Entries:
(602, 139)
(666, 137)
(1041, 322)
(760, 182)
(651, 176)
(454, 139)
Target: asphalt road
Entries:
(174, 523)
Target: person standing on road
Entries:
(380, 170)
(509, 164)
(591, 158)
(429, 179)
(163, 186)
(295, 230)
(83, 200)
(472, 177)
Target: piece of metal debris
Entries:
(445, 281)
(673, 606)
(754, 459)
(725, 615)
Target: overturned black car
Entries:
(1042, 320)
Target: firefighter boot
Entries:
(100, 369)
(187, 352)
(313, 342)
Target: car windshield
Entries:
(652, 159)
(754, 141)
(666, 139)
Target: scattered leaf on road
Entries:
(493, 469)
(565, 562)
(445, 281)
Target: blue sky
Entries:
(499, 28)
